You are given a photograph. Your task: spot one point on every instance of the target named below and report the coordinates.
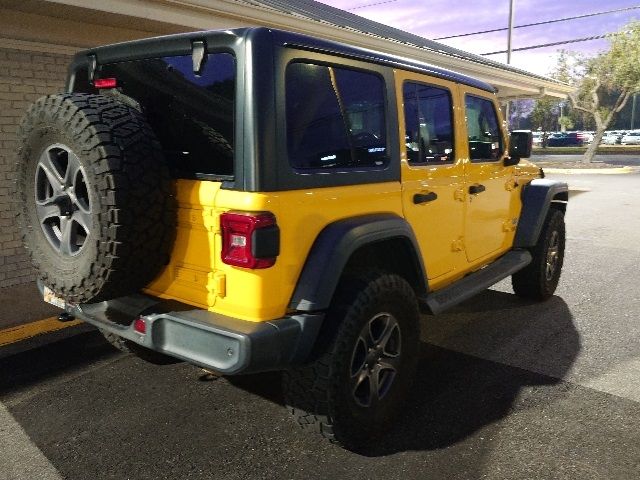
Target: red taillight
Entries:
(249, 240)
(140, 325)
(105, 83)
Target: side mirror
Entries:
(520, 143)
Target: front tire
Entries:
(355, 387)
(539, 279)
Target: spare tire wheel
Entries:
(95, 199)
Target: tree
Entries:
(595, 79)
(544, 116)
(566, 122)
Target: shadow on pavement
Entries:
(489, 349)
(41, 363)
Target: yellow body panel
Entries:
(196, 275)
(457, 234)
(189, 275)
(491, 216)
(438, 225)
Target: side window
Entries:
(335, 117)
(428, 124)
(485, 137)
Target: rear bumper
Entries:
(224, 344)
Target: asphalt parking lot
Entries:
(506, 389)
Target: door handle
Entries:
(477, 188)
(424, 197)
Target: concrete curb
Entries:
(592, 171)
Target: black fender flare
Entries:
(537, 197)
(334, 246)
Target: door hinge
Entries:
(218, 281)
(509, 225)
(458, 245)
(460, 194)
(198, 56)
(511, 184)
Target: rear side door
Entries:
(432, 171)
(489, 185)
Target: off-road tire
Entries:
(319, 395)
(535, 282)
(129, 189)
(127, 346)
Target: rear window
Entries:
(192, 115)
(335, 118)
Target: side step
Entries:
(477, 282)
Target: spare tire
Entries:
(95, 199)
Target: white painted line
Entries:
(590, 171)
(21, 459)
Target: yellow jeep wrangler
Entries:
(251, 200)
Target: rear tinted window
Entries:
(192, 115)
(335, 118)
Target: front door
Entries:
(432, 172)
(489, 185)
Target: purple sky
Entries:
(437, 18)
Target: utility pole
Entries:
(510, 31)
(633, 111)
(509, 35)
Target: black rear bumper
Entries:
(210, 340)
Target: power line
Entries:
(371, 5)
(576, 40)
(538, 23)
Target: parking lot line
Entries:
(591, 171)
(29, 330)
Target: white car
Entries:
(537, 138)
(610, 138)
(587, 137)
(631, 138)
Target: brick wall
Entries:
(24, 76)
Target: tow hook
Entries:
(66, 317)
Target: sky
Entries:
(437, 18)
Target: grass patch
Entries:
(602, 149)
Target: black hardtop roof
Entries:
(180, 44)
(307, 42)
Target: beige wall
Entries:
(35, 50)
(24, 76)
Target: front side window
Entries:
(485, 137)
(428, 124)
(335, 118)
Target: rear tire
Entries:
(365, 362)
(539, 279)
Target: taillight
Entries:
(249, 240)
(140, 326)
(105, 83)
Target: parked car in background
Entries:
(609, 138)
(587, 137)
(537, 138)
(631, 138)
(566, 139)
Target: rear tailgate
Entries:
(188, 96)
